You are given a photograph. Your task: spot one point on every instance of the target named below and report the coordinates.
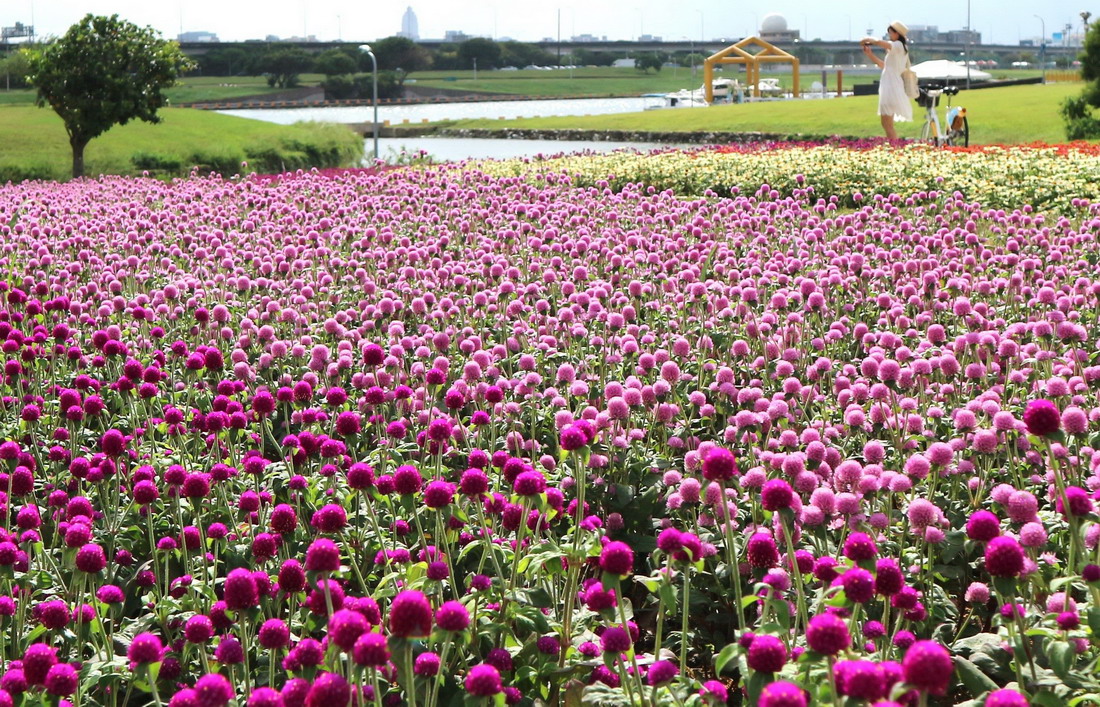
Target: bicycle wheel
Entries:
(928, 132)
(959, 137)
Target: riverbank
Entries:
(1010, 115)
(33, 145)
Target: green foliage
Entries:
(104, 72)
(282, 66)
(225, 61)
(15, 67)
(393, 53)
(32, 145)
(480, 52)
(521, 54)
(156, 162)
(645, 62)
(334, 62)
(1081, 123)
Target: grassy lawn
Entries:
(1016, 114)
(190, 90)
(33, 144)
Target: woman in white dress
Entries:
(893, 104)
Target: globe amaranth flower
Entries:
(617, 558)
(859, 547)
(719, 464)
(483, 681)
(776, 494)
(145, 648)
(410, 615)
(927, 666)
(61, 680)
(983, 526)
(371, 650)
(274, 634)
(1006, 698)
(1004, 557)
(323, 555)
(661, 672)
(345, 627)
(861, 679)
(827, 634)
(762, 551)
(1042, 418)
(782, 694)
(328, 689)
(452, 616)
(767, 654)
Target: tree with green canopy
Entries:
(1079, 111)
(104, 72)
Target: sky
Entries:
(999, 21)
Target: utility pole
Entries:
(559, 37)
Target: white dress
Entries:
(891, 92)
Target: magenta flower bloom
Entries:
(776, 495)
(983, 526)
(61, 680)
(827, 634)
(761, 551)
(323, 555)
(452, 616)
(767, 654)
(927, 666)
(438, 494)
(345, 627)
(274, 634)
(661, 672)
(240, 590)
(719, 464)
(1004, 557)
(145, 648)
(1042, 418)
(617, 558)
(370, 650)
(483, 681)
(410, 615)
(782, 694)
(1006, 698)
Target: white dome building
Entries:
(773, 28)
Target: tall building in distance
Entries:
(410, 29)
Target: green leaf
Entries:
(1061, 655)
(725, 656)
(1094, 620)
(974, 679)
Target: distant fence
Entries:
(1063, 76)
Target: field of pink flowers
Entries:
(435, 436)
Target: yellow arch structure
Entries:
(742, 53)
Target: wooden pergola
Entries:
(743, 53)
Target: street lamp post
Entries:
(1043, 48)
(374, 87)
(969, 34)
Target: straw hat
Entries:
(900, 28)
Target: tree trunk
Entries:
(78, 145)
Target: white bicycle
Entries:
(955, 131)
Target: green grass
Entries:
(192, 89)
(1015, 114)
(598, 82)
(33, 144)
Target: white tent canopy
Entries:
(944, 70)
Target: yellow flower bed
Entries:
(1047, 178)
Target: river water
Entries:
(420, 112)
(458, 149)
(443, 149)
